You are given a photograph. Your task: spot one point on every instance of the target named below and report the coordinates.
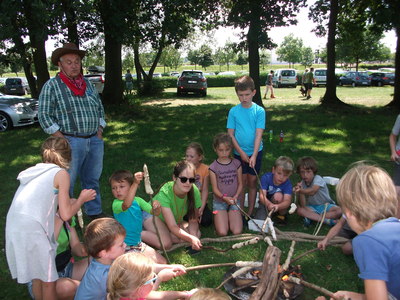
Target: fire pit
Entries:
(243, 286)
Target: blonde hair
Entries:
(197, 148)
(101, 234)
(368, 193)
(127, 274)
(210, 294)
(56, 150)
(286, 163)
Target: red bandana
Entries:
(77, 85)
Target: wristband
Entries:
(223, 195)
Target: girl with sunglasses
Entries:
(132, 277)
(226, 182)
(180, 201)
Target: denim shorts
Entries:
(146, 215)
(319, 209)
(220, 205)
(246, 169)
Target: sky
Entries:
(302, 30)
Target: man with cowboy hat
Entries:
(70, 107)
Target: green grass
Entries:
(157, 135)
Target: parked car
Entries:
(17, 111)
(209, 74)
(17, 86)
(354, 78)
(381, 79)
(192, 82)
(285, 77)
(227, 73)
(174, 74)
(320, 76)
(97, 80)
(3, 80)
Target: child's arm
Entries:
(217, 192)
(242, 154)
(138, 177)
(68, 208)
(257, 142)
(204, 194)
(331, 234)
(156, 209)
(374, 290)
(392, 142)
(77, 248)
(240, 183)
(177, 231)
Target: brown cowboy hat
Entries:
(68, 48)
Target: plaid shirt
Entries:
(87, 111)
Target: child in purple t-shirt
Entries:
(276, 190)
(226, 181)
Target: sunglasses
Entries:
(184, 179)
(151, 280)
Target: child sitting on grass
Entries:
(132, 212)
(132, 276)
(313, 194)
(368, 198)
(104, 241)
(276, 190)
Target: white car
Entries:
(284, 77)
(97, 80)
(320, 76)
(229, 73)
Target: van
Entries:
(320, 76)
(17, 86)
(285, 77)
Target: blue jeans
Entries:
(87, 163)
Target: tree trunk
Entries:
(31, 80)
(70, 17)
(254, 56)
(113, 88)
(40, 61)
(396, 98)
(330, 98)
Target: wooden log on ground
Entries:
(266, 288)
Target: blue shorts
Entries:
(246, 169)
(319, 209)
(221, 205)
(146, 215)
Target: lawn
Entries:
(157, 132)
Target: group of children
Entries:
(122, 260)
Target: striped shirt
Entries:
(87, 110)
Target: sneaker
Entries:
(330, 222)
(273, 97)
(307, 222)
(191, 251)
(308, 97)
(281, 219)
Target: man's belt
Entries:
(79, 136)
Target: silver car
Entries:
(17, 111)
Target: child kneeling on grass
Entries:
(276, 190)
(313, 194)
(368, 198)
(134, 213)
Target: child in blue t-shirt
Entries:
(276, 190)
(369, 201)
(132, 212)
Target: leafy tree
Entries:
(226, 54)
(307, 57)
(194, 57)
(291, 50)
(219, 57)
(265, 58)
(171, 57)
(255, 18)
(325, 14)
(384, 14)
(127, 61)
(242, 59)
(205, 57)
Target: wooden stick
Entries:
(245, 286)
(251, 219)
(313, 286)
(289, 257)
(210, 266)
(317, 229)
(302, 255)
